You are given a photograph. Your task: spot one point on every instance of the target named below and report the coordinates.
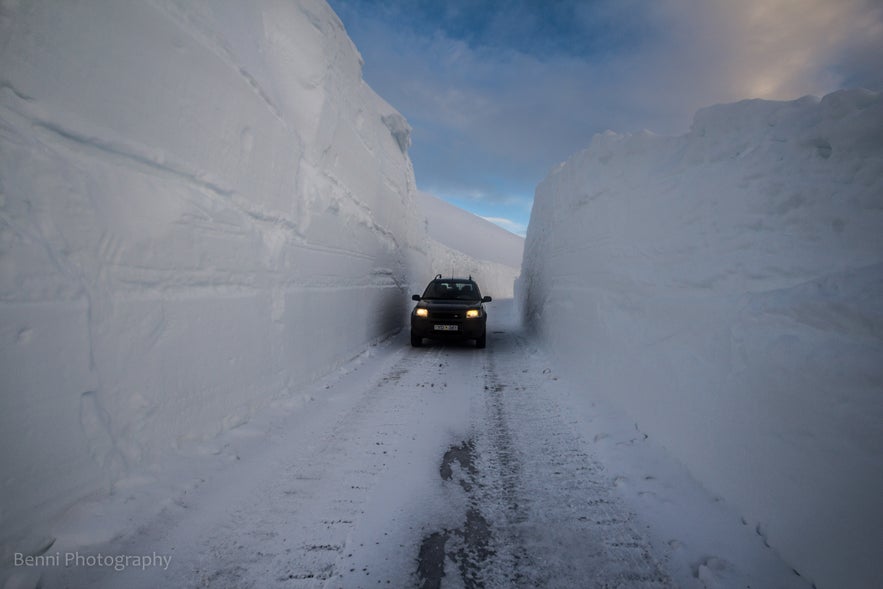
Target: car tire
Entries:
(481, 342)
(416, 340)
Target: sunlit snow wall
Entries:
(462, 244)
(725, 288)
(202, 205)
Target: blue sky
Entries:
(498, 92)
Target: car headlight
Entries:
(421, 312)
(472, 314)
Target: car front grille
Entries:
(445, 316)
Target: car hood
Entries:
(447, 304)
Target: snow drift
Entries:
(725, 287)
(464, 244)
(203, 206)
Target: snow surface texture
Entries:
(725, 287)
(464, 244)
(203, 207)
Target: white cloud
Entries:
(774, 49)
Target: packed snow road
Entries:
(442, 466)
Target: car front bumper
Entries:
(441, 328)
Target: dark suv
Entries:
(450, 308)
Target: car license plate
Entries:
(447, 327)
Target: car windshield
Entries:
(456, 290)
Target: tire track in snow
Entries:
(291, 525)
(539, 511)
(574, 527)
(323, 498)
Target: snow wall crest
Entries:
(723, 287)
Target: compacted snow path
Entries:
(440, 466)
(536, 508)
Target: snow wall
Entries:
(464, 244)
(203, 205)
(725, 288)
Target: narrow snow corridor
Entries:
(350, 499)
(442, 466)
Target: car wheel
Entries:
(482, 341)
(416, 340)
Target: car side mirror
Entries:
(415, 297)
(486, 299)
